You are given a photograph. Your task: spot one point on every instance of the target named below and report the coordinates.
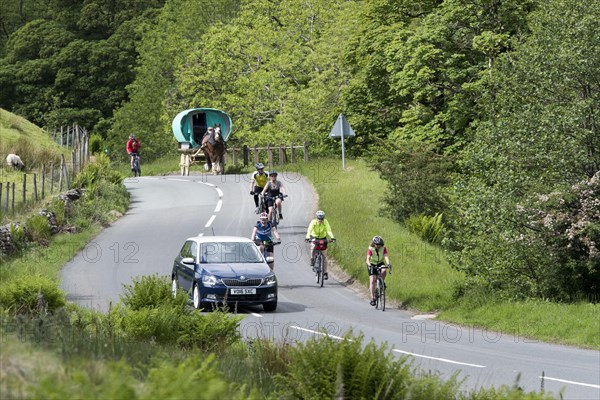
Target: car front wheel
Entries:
(174, 287)
(197, 298)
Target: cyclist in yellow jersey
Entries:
(318, 229)
(258, 182)
(377, 256)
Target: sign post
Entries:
(342, 129)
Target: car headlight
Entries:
(210, 280)
(270, 280)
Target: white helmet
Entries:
(320, 214)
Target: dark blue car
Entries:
(230, 270)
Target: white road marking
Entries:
(571, 382)
(210, 221)
(256, 315)
(316, 332)
(439, 359)
(218, 207)
(179, 180)
(219, 192)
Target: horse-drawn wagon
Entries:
(201, 134)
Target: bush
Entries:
(213, 331)
(38, 228)
(427, 228)
(27, 293)
(326, 368)
(150, 291)
(416, 177)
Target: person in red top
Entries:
(133, 147)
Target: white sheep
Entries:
(13, 160)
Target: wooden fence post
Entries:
(255, 153)
(43, 180)
(24, 189)
(305, 152)
(233, 156)
(60, 173)
(293, 153)
(14, 185)
(7, 196)
(270, 156)
(282, 155)
(245, 156)
(52, 178)
(35, 197)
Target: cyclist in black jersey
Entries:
(275, 190)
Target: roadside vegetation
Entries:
(151, 345)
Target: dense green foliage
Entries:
(525, 220)
(477, 110)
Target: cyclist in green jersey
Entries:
(318, 229)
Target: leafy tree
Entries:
(164, 46)
(540, 136)
(417, 65)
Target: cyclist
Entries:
(258, 182)
(133, 148)
(318, 229)
(263, 232)
(275, 190)
(377, 262)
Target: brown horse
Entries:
(214, 149)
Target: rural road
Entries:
(166, 210)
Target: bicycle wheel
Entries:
(319, 264)
(377, 293)
(382, 293)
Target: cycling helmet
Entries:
(264, 215)
(273, 173)
(377, 240)
(320, 214)
(259, 165)
(132, 136)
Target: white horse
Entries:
(14, 161)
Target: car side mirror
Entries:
(188, 261)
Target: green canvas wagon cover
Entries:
(190, 125)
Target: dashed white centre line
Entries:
(571, 382)
(440, 359)
(219, 205)
(210, 221)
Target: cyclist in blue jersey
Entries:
(263, 232)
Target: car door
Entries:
(185, 272)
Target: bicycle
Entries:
(135, 169)
(320, 245)
(380, 287)
(275, 212)
(265, 243)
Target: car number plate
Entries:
(243, 291)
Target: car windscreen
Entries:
(229, 252)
